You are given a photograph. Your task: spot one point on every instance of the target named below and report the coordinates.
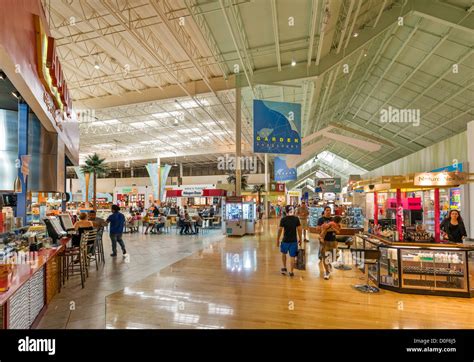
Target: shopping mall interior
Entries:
(236, 164)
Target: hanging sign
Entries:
(276, 127)
(282, 172)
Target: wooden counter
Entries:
(31, 286)
(418, 244)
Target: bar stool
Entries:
(370, 257)
(99, 246)
(74, 260)
(92, 255)
(347, 246)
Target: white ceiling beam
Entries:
(344, 28)
(349, 36)
(275, 33)
(312, 30)
(384, 3)
(301, 71)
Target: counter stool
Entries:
(99, 247)
(369, 257)
(90, 237)
(347, 246)
(74, 260)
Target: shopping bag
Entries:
(301, 259)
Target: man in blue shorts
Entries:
(290, 227)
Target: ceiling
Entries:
(157, 78)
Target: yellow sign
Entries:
(294, 193)
(440, 178)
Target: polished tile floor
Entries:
(75, 307)
(177, 281)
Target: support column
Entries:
(23, 111)
(436, 215)
(238, 141)
(399, 215)
(159, 178)
(267, 188)
(180, 179)
(469, 188)
(376, 209)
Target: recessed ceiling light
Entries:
(355, 35)
(365, 54)
(293, 63)
(97, 65)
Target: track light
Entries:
(293, 63)
(3, 76)
(16, 94)
(97, 65)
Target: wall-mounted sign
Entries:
(410, 203)
(277, 187)
(276, 127)
(233, 199)
(440, 178)
(294, 193)
(328, 185)
(57, 97)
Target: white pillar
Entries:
(159, 178)
(469, 189)
(267, 188)
(238, 141)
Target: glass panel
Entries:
(389, 267)
(471, 269)
(434, 270)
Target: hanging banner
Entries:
(152, 169)
(276, 127)
(328, 185)
(82, 182)
(282, 172)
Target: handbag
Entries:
(301, 259)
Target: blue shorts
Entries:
(292, 248)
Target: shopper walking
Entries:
(303, 213)
(117, 223)
(325, 218)
(453, 227)
(290, 227)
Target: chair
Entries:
(74, 259)
(217, 221)
(168, 225)
(369, 257)
(99, 246)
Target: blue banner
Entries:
(276, 127)
(152, 169)
(457, 167)
(282, 172)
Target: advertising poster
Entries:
(328, 185)
(282, 172)
(277, 127)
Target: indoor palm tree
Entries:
(231, 178)
(95, 165)
(258, 190)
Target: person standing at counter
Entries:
(454, 227)
(117, 223)
(80, 226)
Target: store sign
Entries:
(440, 178)
(277, 187)
(328, 185)
(233, 199)
(25, 165)
(456, 167)
(277, 127)
(56, 97)
(410, 203)
(294, 193)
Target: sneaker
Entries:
(306, 240)
(113, 255)
(125, 255)
(291, 274)
(283, 271)
(326, 275)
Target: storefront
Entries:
(414, 258)
(196, 197)
(133, 196)
(293, 197)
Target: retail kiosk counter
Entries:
(31, 286)
(421, 268)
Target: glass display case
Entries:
(233, 211)
(428, 268)
(314, 214)
(354, 218)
